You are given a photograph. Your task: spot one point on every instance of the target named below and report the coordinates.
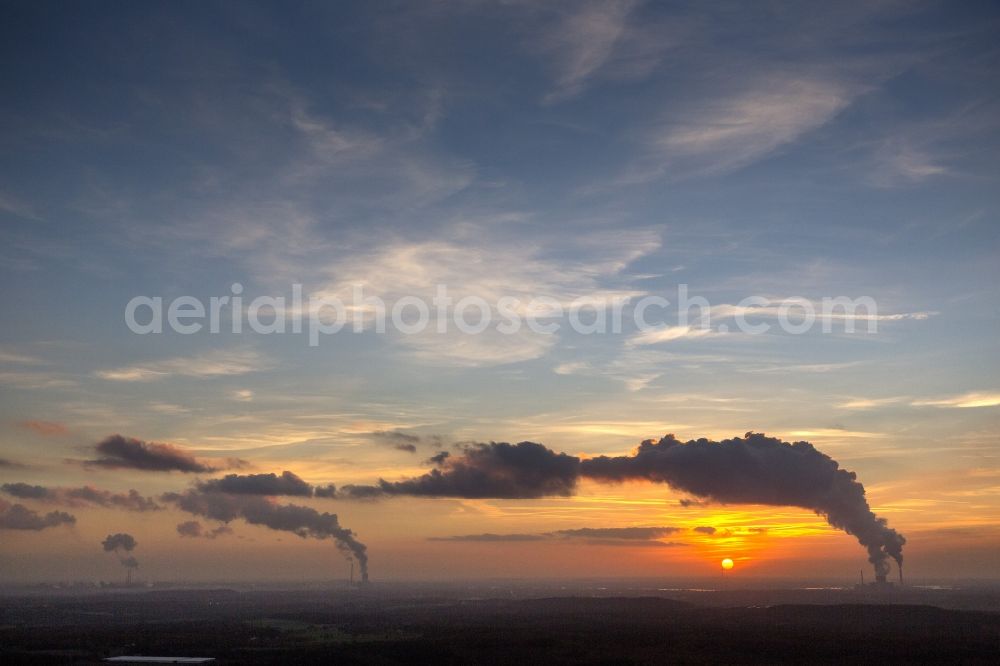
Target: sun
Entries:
(727, 564)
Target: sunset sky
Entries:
(607, 149)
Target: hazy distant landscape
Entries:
(498, 622)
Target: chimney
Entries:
(880, 579)
(900, 575)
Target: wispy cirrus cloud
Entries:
(211, 364)
(968, 400)
(740, 124)
(581, 41)
(477, 264)
(963, 401)
(669, 333)
(45, 428)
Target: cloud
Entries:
(473, 264)
(194, 529)
(704, 529)
(10, 464)
(741, 125)
(602, 536)
(580, 42)
(668, 333)
(900, 162)
(36, 380)
(869, 403)
(328, 490)
(118, 452)
(9, 356)
(400, 441)
(212, 364)
(45, 428)
(20, 517)
(258, 484)
(687, 502)
(964, 401)
(627, 533)
(491, 538)
(82, 496)
(497, 469)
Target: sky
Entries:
(519, 150)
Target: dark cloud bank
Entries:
(754, 469)
(83, 496)
(20, 517)
(119, 452)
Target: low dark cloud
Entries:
(328, 490)
(10, 464)
(400, 441)
(602, 536)
(438, 458)
(258, 484)
(651, 543)
(491, 538)
(118, 452)
(20, 517)
(25, 491)
(687, 502)
(194, 529)
(627, 533)
(82, 496)
(303, 521)
(704, 529)
(494, 470)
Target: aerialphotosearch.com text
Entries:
(323, 314)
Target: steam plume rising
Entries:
(757, 469)
(120, 544)
(303, 521)
(114, 543)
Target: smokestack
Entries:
(352, 573)
(880, 579)
(901, 574)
